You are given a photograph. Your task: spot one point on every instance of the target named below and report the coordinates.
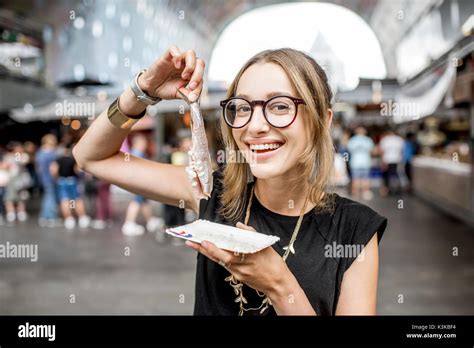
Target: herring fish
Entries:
(200, 165)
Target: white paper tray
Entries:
(223, 236)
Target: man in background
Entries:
(391, 147)
(46, 155)
(360, 147)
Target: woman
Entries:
(20, 180)
(289, 157)
(131, 227)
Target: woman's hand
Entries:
(264, 271)
(174, 70)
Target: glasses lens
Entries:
(280, 111)
(237, 112)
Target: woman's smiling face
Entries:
(262, 81)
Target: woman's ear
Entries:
(330, 118)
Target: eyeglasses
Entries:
(279, 111)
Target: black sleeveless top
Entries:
(317, 264)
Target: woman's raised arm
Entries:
(98, 151)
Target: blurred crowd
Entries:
(69, 197)
(362, 157)
(48, 171)
(48, 174)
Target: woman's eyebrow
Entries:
(273, 94)
(269, 95)
(245, 96)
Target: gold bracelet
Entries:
(119, 119)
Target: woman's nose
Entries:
(258, 123)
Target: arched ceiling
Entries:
(389, 19)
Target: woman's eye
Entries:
(243, 109)
(279, 107)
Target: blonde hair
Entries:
(311, 84)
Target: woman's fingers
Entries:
(190, 60)
(245, 227)
(216, 253)
(198, 74)
(173, 55)
(170, 53)
(187, 75)
(213, 252)
(176, 53)
(194, 94)
(179, 58)
(199, 248)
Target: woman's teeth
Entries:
(257, 147)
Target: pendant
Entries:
(291, 247)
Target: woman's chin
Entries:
(266, 170)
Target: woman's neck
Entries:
(277, 195)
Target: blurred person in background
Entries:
(64, 168)
(20, 180)
(46, 155)
(31, 149)
(182, 158)
(89, 186)
(342, 149)
(4, 178)
(360, 147)
(176, 215)
(409, 151)
(139, 203)
(391, 149)
(103, 207)
(66, 141)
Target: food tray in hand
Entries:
(223, 236)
